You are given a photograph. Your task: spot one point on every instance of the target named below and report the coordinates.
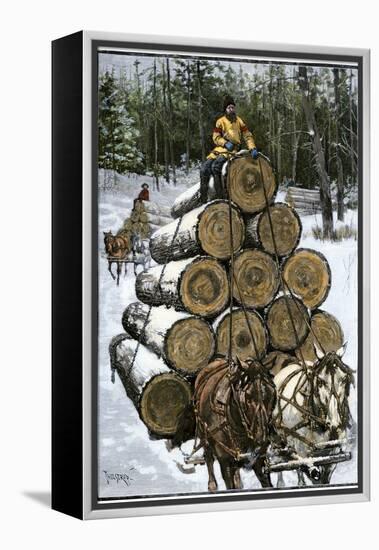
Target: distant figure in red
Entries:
(144, 194)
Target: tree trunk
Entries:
(256, 278)
(243, 345)
(188, 135)
(308, 275)
(155, 127)
(326, 202)
(205, 230)
(286, 225)
(200, 106)
(165, 132)
(159, 395)
(197, 285)
(185, 342)
(340, 179)
(170, 124)
(353, 165)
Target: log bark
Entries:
(190, 199)
(156, 219)
(245, 188)
(256, 278)
(246, 185)
(205, 230)
(196, 285)
(242, 342)
(286, 226)
(326, 332)
(308, 275)
(287, 321)
(154, 208)
(159, 395)
(185, 342)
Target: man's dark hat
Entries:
(228, 101)
(144, 185)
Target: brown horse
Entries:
(116, 246)
(233, 408)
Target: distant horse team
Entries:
(124, 248)
(240, 411)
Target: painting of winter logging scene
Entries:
(228, 273)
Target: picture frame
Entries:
(77, 440)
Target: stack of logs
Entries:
(306, 201)
(183, 315)
(145, 218)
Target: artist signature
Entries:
(126, 478)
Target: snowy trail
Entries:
(124, 444)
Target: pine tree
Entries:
(118, 134)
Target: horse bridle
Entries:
(321, 408)
(314, 411)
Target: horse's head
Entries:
(255, 396)
(108, 241)
(332, 380)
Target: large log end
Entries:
(163, 400)
(288, 323)
(308, 275)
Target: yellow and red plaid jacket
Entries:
(224, 131)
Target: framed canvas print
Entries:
(210, 275)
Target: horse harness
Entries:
(221, 403)
(311, 418)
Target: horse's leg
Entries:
(326, 473)
(237, 479)
(259, 470)
(227, 473)
(209, 460)
(118, 272)
(301, 478)
(280, 480)
(110, 269)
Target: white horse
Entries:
(312, 410)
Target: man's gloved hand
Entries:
(254, 153)
(229, 146)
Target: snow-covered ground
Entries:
(124, 443)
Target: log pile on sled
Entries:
(183, 314)
(145, 218)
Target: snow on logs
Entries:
(185, 342)
(246, 188)
(308, 275)
(159, 395)
(244, 325)
(198, 285)
(286, 226)
(205, 230)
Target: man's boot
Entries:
(219, 188)
(204, 183)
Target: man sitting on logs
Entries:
(227, 136)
